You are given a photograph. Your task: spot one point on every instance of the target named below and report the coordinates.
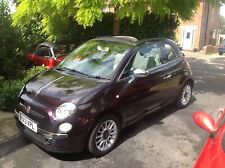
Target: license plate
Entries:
(28, 122)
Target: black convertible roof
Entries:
(48, 44)
(123, 39)
(132, 40)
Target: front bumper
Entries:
(53, 142)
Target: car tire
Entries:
(104, 136)
(220, 53)
(185, 95)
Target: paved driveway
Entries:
(165, 139)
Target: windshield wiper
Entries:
(62, 68)
(90, 76)
(71, 70)
(82, 73)
(98, 77)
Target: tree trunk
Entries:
(116, 26)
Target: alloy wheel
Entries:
(106, 135)
(186, 95)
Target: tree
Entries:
(56, 14)
(10, 42)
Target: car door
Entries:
(139, 95)
(174, 67)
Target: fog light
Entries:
(65, 127)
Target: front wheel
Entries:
(220, 53)
(104, 136)
(185, 95)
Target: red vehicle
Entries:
(213, 153)
(48, 54)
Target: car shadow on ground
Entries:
(12, 144)
(129, 132)
(155, 118)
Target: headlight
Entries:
(65, 110)
(65, 127)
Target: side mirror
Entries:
(140, 73)
(205, 121)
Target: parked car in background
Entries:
(222, 48)
(213, 153)
(48, 54)
(100, 88)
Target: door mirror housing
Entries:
(205, 121)
(140, 73)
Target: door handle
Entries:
(167, 76)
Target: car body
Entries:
(108, 82)
(213, 152)
(48, 54)
(222, 48)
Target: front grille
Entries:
(28, 109)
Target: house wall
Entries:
(194, 22)
(213, 27)
(205, 24)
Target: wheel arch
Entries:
(104, 113)
(189, 80)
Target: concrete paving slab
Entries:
(8, 128)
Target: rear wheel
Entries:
(104, 136)
(185, 95)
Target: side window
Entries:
(146, 58)
(43, 51)
(168, 53)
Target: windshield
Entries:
(60, 50)
(97, 58)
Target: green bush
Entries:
(10, 89)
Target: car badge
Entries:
(28, 109)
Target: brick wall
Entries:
(206, 26)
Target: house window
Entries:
(188, 35)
